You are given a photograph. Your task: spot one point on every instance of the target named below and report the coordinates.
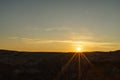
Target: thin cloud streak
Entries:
(39, 41)
(82, 42)
(58, 29)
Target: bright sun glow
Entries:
(78, 49)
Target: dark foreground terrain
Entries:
(16, 65)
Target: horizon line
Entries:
(56, 51)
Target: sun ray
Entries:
(79, 72)
(64, 67)
(83, 55)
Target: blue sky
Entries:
(42, 25)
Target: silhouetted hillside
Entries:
(15, 65)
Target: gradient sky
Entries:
(60, 25)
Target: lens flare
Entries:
(78, 49)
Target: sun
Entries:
(78, 49)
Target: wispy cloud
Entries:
(13, 37)
(58, 28)
(76, 42)
(39, 41)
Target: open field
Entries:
(16, 65)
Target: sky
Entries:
(60, 25)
